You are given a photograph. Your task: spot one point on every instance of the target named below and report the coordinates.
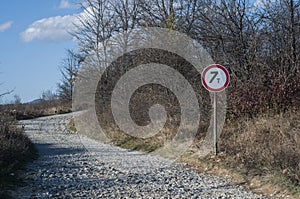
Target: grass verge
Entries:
(16, 150)
(261, 153)
(72, 126)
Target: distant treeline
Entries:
(38, 109)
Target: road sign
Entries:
(215, 78)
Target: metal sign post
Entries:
(215, 78)
(215, 125)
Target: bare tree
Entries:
(96, 25)
(282, 31)
(17, 100)
(69, 73)
(258, 43)
(49, 95)
(6, 93)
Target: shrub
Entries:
(15, 150)
(265, 143)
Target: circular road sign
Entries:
(215, 78)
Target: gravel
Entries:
(73, 166)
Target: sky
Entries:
(34, 38)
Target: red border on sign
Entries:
(215, 66)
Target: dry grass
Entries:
(72, 126)
(265, 144)
(15, 151)
(262, 153)
(266, 151)
(39, 109)
(124, 140)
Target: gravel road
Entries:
(72, 166)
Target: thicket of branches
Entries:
(69, 70)
(258, 42)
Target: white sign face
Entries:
(215, 78)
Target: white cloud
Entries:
(263, 3)
(5, 26)
(65, 4)
(258, 3)
(56, 28)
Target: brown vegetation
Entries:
(264, 145)
(38, 109)
(15, 151)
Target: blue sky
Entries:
(33, 41)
